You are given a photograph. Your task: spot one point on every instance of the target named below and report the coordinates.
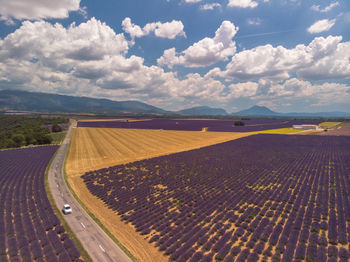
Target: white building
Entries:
(306, 127)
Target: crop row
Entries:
(261, 197)
(198, 125)
(29, 228)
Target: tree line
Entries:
(17, 131)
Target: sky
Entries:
(288, 55)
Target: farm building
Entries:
(306, 127)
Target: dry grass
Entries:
(93, 148)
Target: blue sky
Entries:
(289, 55)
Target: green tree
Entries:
(42, 139)
(18, 139)
(30, 139)
(56, 128)
(239, 123)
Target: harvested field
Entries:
(277, 198)
(93, 148)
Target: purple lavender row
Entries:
(260, 197)
(198, 125)
(29, 228)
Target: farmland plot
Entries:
(29, 228)
(263, 197)
(215, 125)
(94, 148)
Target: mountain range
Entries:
(17, 100)
(264, 111)
(52, 103)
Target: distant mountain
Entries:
(257, 111)
(203, 111)
(52, 103)
(264, 111)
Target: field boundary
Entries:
(58, 213)
(93, 217)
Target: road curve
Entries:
(96, 242)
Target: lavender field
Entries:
(197, 125)
(263, 197)
(29, 228)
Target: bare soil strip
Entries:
(94, 148)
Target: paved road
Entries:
(95, 241)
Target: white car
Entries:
(66, 209)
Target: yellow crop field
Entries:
(93, 148)
(281, 131)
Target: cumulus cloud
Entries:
(205, 52)
(37, 9)
(287, 92)
(321, 26)
(328, 8)
(323, 58)
(242, 3)
(168, 30)
(90, 59)
(211, 6)
(192, 1)
(246, 89)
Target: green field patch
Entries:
(327, 125)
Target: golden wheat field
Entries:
(93, 148)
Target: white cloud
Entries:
(326, 93)
(331, 62)
(242, 3)
(37, 9)
(254, 21)
(206, 51)
(323, 58)
(192, 1)
(168, 30)
(247, 89)
(132, 29)
(90, 59)
(271, 93)
(210, 6)
(328, 8)
(321, 26)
